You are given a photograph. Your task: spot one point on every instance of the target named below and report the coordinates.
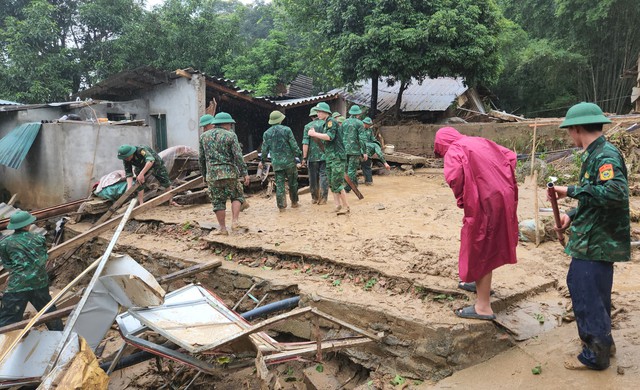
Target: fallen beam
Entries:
(193, 270)
(49, 212)
(96, 231)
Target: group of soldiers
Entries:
(331, 151)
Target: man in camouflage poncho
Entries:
(334, 154)
(144, 159)
(355, 148)
(372, 147)
(221, 164)
(279, 141)
(313, 157)
(24, 255)
(600, 233)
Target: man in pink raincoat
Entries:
(481, 175)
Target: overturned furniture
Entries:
(196, 321)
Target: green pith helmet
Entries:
(584, 114)
(20, 219)
(355, 110)
(206, 119)
(313, 112)
(222, 117)
(367, 121)
(125, 151)
(324, 107)
(341, 119)
(335, 114)
(276, 117)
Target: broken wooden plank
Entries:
(250, 156)
(201, 196)
(195, 269)
(404, 158)
(95, 206)
(116, 205)
(99, 229)
(13, 199)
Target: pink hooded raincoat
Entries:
(481, 175)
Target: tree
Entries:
(405, 39)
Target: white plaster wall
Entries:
(66, 159)
(182, 101)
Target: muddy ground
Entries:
(395, 256)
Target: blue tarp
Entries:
(15, 145)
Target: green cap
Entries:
(313, 111)
(276, 117)
(367, 121)
(125, 151)
(206, 119)
(335, 114)
(324, 107)
(341, 119)
(20, 219)
(584, 114)
(222, 117)
(355, 110)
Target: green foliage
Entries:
(398, 380)
(370, 283)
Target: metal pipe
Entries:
(49, 212)
(270, 308)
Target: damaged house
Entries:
(70, 145)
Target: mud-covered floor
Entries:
(394, 255)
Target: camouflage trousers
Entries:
(335, 174)
(353, 163)
(14, 304)
(291, 175)
(318, 180)
(160, 173)
(221, 190)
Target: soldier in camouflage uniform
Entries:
(334, 154)
(372, 147)
(356, 150)
(221, 164)
(279, 141)
(144, 159)
(600, 233)
(313, 157)
(24, 255)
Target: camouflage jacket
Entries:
(24, 255)
(279, 141)
(352, 129)
(600, 225)
(374, 148)
(141, 156)
(220, 155)
(334, 149)
(316, 152)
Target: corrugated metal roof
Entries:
(8, 103)
(15, 145)
(430, 95)
(290, 103)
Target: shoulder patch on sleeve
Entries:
(143, 153)
(329, 124)
(606, 172)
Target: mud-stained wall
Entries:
(418, 139)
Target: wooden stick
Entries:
(553, 198)
(189, 271)
(536, 212)
(85, 297)
(353, 187)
